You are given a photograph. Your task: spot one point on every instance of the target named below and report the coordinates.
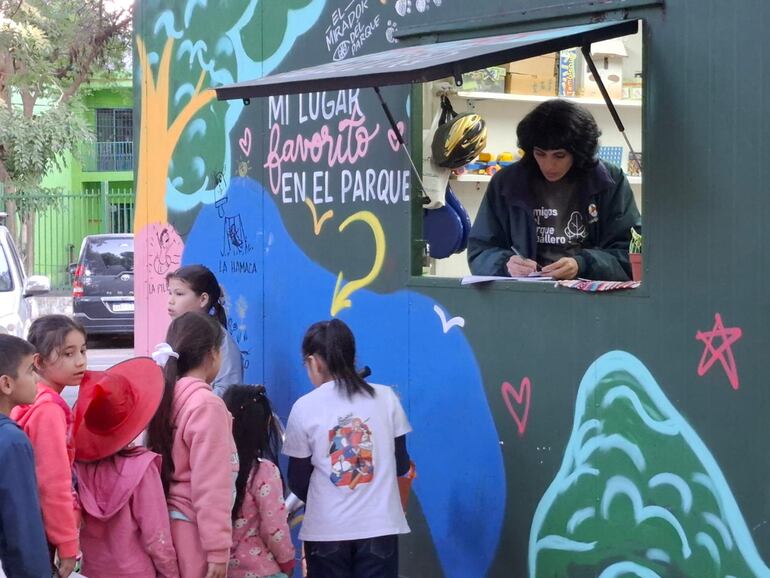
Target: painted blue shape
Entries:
(676, 482)
(195, 128)
(579, 517)
(188, 10)
(708, 543)
(624, 569)
(658, 555)
(186, 90)
(233, 240)
(464, 510)
(457, 447)
(198, 166)
(166, 22)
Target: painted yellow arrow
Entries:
(341, 300)
(318, 223)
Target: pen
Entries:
(516, 252)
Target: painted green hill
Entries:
(638, 493)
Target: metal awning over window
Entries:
(424, 63)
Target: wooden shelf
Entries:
(502, 96)
(473, 178)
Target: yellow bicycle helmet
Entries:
(459, 141)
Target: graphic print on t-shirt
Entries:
(575, 229)
(350, 452)
(559, 224)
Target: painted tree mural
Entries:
(184, 133)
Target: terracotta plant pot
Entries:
(636, 265)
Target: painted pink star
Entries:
(723, 353)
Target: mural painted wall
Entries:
(555, 433)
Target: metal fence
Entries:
(107, 156)
(60, 229)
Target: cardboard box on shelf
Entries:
(634, 168)
(568, 65)
(535, 75)
(632, 89)
(490, 79)
(608, 56)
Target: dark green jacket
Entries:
(505, 218)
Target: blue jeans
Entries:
(367, 558)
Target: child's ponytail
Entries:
(192, 337)
(160, 434)
(217, 311)
(334, 343)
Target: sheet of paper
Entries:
(473, 279)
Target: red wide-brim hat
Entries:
(115, 406)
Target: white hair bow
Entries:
(162, 352)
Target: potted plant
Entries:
(635, 254)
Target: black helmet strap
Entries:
(447, 111)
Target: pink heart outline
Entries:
(245, 141)
(521, 396)
(392, 138)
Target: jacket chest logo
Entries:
(593, 213)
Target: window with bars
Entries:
(114, 139)
(114, 125)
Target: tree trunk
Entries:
(28, 242)
(10, 222)
(30, 264)
(10, 206)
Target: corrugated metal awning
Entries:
(424, 63)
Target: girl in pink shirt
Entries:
(60, 361)
(126, 531)
(262, 544)
(192, 431)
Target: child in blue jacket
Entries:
(23, 547)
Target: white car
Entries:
(15, 287)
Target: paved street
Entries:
(101, 355)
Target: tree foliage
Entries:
(50, 49)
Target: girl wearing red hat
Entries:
(126, 531)
(192, 432)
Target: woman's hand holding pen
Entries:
(520, 267)
(564, 268)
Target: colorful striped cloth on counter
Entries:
(596, 286)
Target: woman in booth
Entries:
(559, 210)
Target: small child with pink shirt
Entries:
(262, 544)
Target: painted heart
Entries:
(392, 138)
(517, 402)
(245, 141)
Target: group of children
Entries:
(154, 474)
(165, 508)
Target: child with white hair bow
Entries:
(192, 431)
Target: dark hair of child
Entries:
(49, 332)
(559, 124)
(255, 433)
(201, 280)
(193, 337)
(333, 342)
(12, 351)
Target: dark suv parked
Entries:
(103, 284)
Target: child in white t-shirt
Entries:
(346, 441)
